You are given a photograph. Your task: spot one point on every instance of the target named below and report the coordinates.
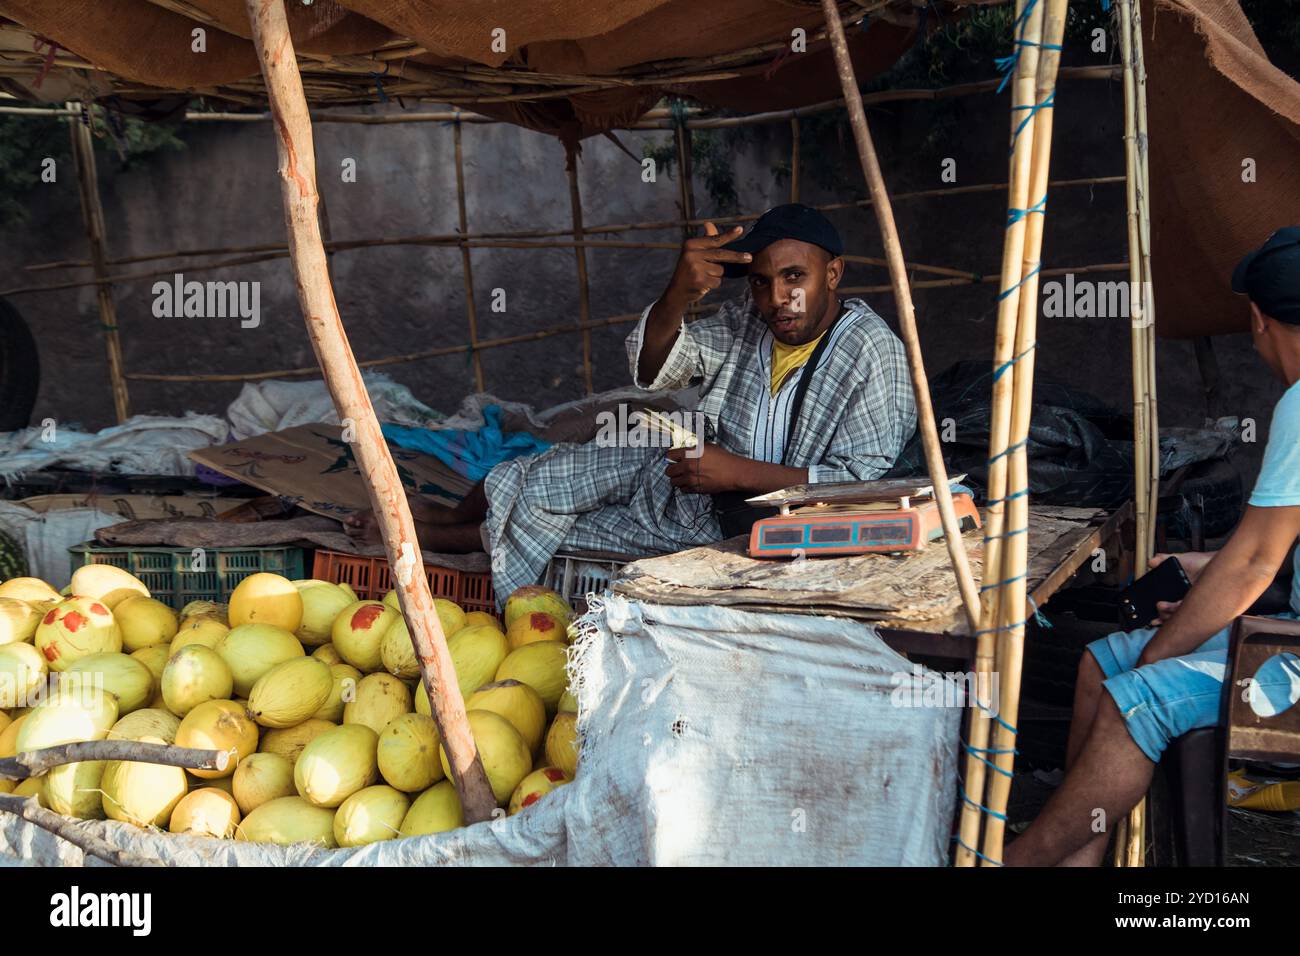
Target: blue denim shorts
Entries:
(1167, 699)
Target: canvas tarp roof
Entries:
(576, 67)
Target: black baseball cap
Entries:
(790, 221)
(1270, 276)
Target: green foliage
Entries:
(24, 144)
(713, 153)
(26, 141)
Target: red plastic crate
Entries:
(371, 579)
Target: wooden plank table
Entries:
(912, 597)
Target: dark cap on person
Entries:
(1270, 276)
(790, 221)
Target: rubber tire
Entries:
(1219, 485)
(20, 370)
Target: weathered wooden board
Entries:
(914, 590)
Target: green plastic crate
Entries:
(168, 572)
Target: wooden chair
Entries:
(1195, 767)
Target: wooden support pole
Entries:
(685, 177)
(270, 30)
(70, 829)
(92, 211)
(467, 271)
(906, 312)
(580, 256)
(1009, 660)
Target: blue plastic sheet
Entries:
(472, 454)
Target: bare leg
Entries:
(1087, 692)
(450, 538)
(1111, 774)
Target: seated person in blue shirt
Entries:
(1138, 691)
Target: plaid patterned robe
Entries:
(857, 415)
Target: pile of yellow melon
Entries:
(314, 694)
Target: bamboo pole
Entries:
(92, 211)
(685, 177)
(1009, 659)
(467, 271)
(270, 31)
(580, 256)
(1141, 403)
(1148, 282)
(979, 724)
(906, 313)
(1130, 844)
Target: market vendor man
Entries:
(795, 385)
(1137, 691)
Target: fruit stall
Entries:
(259, 707)
(302, 700)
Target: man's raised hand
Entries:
(699, 267)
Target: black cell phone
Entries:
(1166, 582)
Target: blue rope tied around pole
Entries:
(1025, 278)
(980, 806)
(958, 840)
(1006, 65)
(1006, 451)
(1015, 215)
(1001, 369)
(1002, 583)
(976, 751)
(1000, 721)
(1047, 104)
(1003, 627)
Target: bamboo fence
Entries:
(577, 236)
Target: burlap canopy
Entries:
(1219, 110)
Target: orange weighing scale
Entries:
(853, 517)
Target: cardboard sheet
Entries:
(311, 466)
